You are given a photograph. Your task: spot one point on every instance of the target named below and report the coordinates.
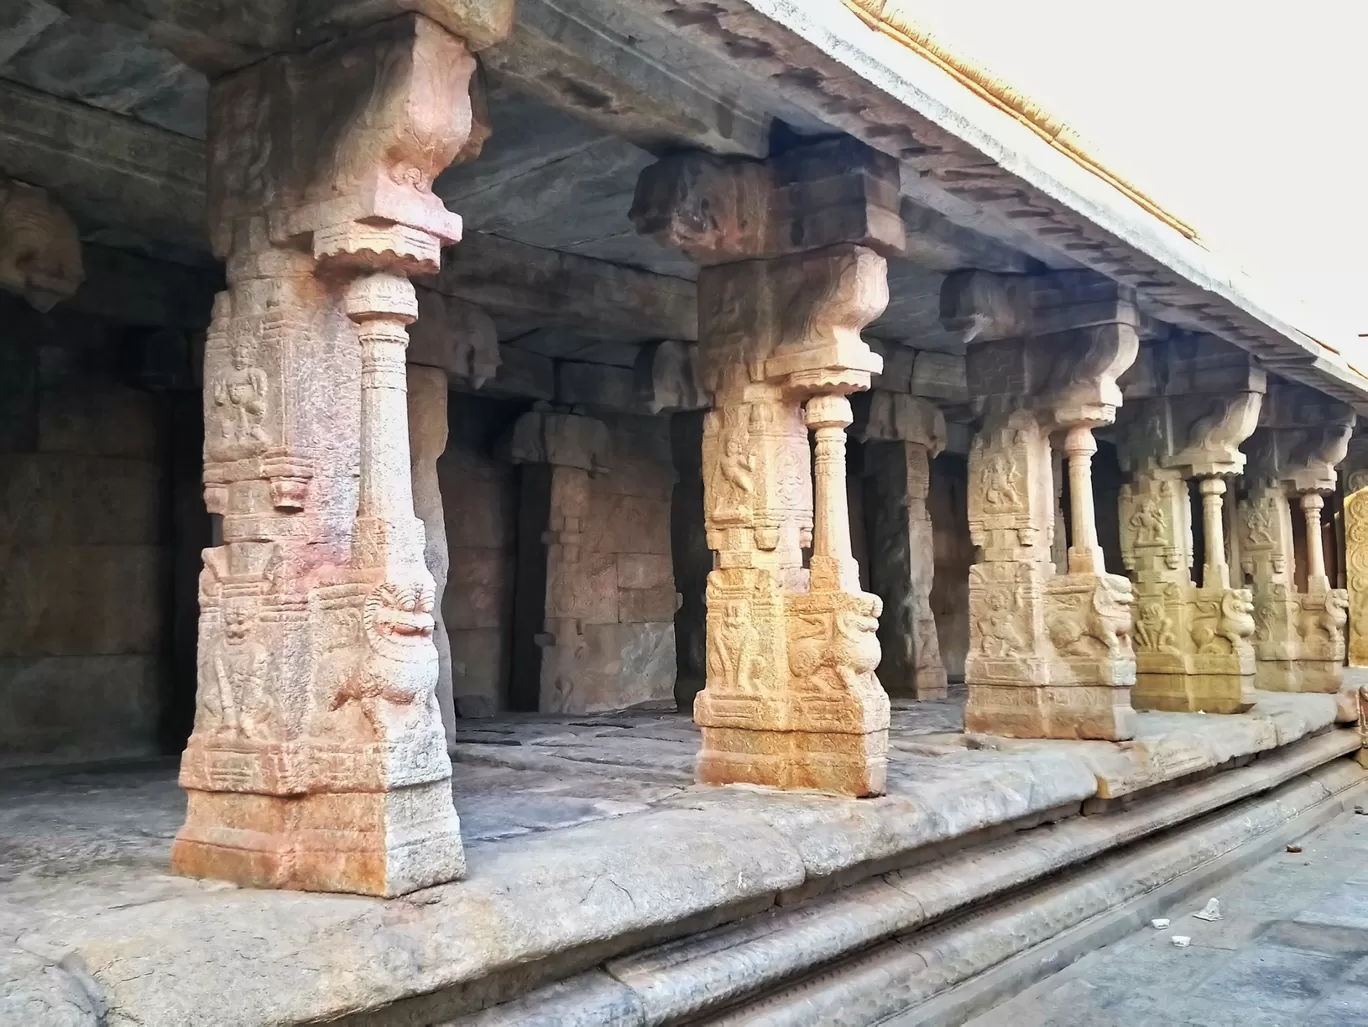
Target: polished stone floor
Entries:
(1291, 951)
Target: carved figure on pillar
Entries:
(791, 699)
(1355, 479)
(318, 759)
(903, 434)
(1299, 638)
(1190, 402)
(1050, 654)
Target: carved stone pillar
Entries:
(427, 422)
(1299, 634)
(791, 699)
(903, 435)
(451, 341)
(318, 759)
(1355, 479)
(1190, 402)
(1049, 654)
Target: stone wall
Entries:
(84, 564)
(624, 654)
(480, 499)
(954, 556)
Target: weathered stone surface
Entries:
(666, 377)
(74, 499)
(578, 815)
(74, 600)
(1355, 475)
(1049, 653)
(115, 719)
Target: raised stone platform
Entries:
(586, 840)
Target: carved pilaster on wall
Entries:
(1050, 654)
(1191, 401)
(793, 253)
(318, 759)
(1299, 640)
(40, 248)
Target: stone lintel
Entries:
(895, 417)
(719, 211)
(546, 436)
(1184, 364)
(455, 336)
(220, 37)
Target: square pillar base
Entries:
(1181, 692)
(1050, 711)
(366, 843)
(846, 764)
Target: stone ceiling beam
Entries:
(506, 277)
(105, 168)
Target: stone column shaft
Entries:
(833, 563)
(1215, 572)
(1316, 579)
(1085, 555)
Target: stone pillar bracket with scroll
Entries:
(1049, 654)
(793, 251)
(40, 247)
(1190, 403)
(318, 759)
(1299, 640)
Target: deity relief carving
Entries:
(734, 657)
(238, 704)
(1149, 522)
(996, 621)
(734, 482)
(241, 397)
(1154, 627)
(1000, 481)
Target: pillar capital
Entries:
(898, 417)
(720, 210)
(1054, 344)
(560, 439)
(40, 248)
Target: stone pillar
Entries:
(451, 341)
(1190, 402)
(1356, 551)
(1299, 635)
(318, 759)
(793, 271)
(903, 435)
(427, 421)
(1049, 654)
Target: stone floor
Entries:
(580, 832)
(1292, 949)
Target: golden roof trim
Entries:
(888, 17)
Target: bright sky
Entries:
(1247, 120)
